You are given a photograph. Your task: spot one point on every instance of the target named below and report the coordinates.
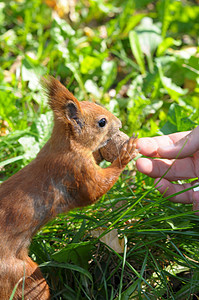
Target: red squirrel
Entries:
(64, 175)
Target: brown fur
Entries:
(64, 175)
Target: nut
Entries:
(112, 149)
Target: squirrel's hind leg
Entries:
(35, 286)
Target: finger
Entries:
(168, 189)
(150, 146)
(171, 169)
(184, 147)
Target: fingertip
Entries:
(144, 165)
(162, 185)
(140, 143)
(157, 182)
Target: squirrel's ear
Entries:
(65, 106)
(73, 114)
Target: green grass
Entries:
(140, 60)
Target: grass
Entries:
(140, 60)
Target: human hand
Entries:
(181, 145)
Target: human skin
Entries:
(178, 152)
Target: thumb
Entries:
(186, 146)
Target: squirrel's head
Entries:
(88, 124)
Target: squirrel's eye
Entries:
(102, 122)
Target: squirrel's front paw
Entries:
(128, 152)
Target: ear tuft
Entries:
(63, 103)
(58, 95)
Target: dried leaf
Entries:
(110, 239)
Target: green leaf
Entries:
(109, 69)
(149, 35)
(32, 73)
(30, 147)
(165, 44)
(66, 29)
(175, 114)
(173, 90)
(8, 110)
(93, 88)
(89, 64)
(166, 16)
(78, 253)
(74, 67)
(43, 127)
(136, 50)
(178, 120)
(9, 38)
(132, 22)
(2, 15)
(168, 128)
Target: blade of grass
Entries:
(10, 160)
(123, 266)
